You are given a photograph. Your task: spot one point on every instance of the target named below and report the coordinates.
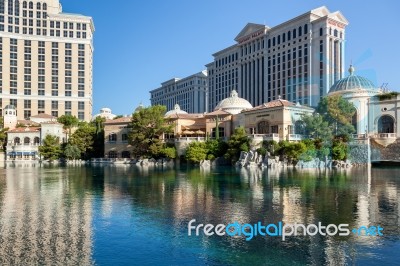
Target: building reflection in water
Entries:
(358, 197)
(42, 220)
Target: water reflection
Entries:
(86, 215)
(43, 220)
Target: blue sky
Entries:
(139, 44)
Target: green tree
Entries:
(147, 127)
(339, 149)
(196, 152)
(169, 152)
(98, 137)
(338, 112)
(118, 116)
(216, 148)
(83, 138)
(237, 143)
(72, 152)
(317, 128)
(51, 148)
(68, 121)
(292, 151)
(3, 138)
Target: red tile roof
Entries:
(44, 116)
(118, 120)
(24, 129)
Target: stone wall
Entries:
(359, 154)
(380, 153)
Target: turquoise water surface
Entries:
(130, 215)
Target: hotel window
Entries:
(13, 102)
(27, 115)
(67, 105)
(81, 105)
(27, 104)
(68, 93)
(27, 92)
(41, 104)
(54, 113)
(54, 105)
(81, 115)
(54, 93)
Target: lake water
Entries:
(135, 216)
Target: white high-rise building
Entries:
(298, 60)
(46, 59)
(189, 93)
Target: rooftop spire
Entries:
(351, 70)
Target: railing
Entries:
(360, 136)
(296, 137)
(190, 139)
(385, 135)
(22, 144)
(271, 136)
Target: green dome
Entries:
(352, 82)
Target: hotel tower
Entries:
(46, 59)
(298, 60)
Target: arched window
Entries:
(38, 6)
(44, 6)
(294, 33)
(288, 35)
(335, 32)
(10, 7)
(16, 11)
(112, 154)
(300, 31)
(283, 37)
(126, 154)
(30, 5)
(36, 140)
(386, 124)
(321, 31)
(27, 140)
(305, 29)
(273, 41)
(263, 127)
(112, 137)
(24, 4)
(299, 127)
(17, 140)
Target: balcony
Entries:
(385, 135)
(265, 137)
(296, 137)
(385, 139)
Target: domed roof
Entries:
(105, 113)
(233, 104)
(140, 107)
(352, 82)
(176, 110)
(10, 106)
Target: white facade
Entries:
(23, 143)
(189, 93)
(46, 59)
(298, 60)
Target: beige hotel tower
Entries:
(46, 59)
